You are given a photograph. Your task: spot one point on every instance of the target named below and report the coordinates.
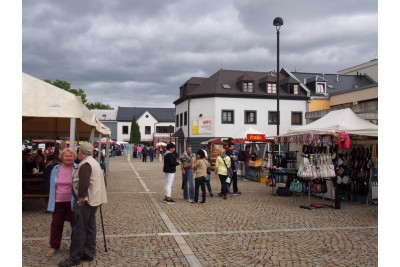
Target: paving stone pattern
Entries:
(254, 229)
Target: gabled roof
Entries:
(160, 114)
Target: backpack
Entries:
(242, 155)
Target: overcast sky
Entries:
(138, 53)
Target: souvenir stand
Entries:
(338, 158)
(215, 145)
(258, 165)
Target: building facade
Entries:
(227, 103)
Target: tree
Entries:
(135, 132)
(78, 92)
(98, 105)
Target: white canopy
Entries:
(337, 121)
(48, 110)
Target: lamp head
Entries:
(278, 22)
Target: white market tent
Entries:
(337, 121)
(49, 110)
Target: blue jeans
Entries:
(188, 178)
(224, 185)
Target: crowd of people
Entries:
(196, 172)
(143, 151)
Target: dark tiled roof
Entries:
(336, 83)
(231, 80)
(160, 114)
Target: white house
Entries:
(230, 101)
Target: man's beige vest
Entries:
(97, 190)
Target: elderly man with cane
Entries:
(89, 192)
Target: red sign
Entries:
(256, 137)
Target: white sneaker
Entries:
(245, 180)
(190, 200)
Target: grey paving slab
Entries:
(254, 229)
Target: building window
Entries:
(125, 129)
(272, 117)
(321, 88)
(177, 121)
(181, 119)
(185, 118)
(250, 117)
(271, 88)
(227, 117)
(248, 87)
(147, 129)
(297, 118)
(294, 89)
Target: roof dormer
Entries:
(246, 83)
(317, 83)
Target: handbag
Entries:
(295, 186)
(230, 172)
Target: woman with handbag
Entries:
(200, 167)
(222, 165)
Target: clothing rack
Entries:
(309, 207)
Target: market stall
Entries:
(340, 142)
(215, 145)
(259, 162)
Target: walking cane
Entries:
(104, 235)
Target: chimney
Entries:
(337, 77)
(305, 80)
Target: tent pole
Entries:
(72, 129)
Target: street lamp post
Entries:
(278, 22)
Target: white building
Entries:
(229, 102)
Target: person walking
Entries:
(187, 158)
(60, 197)
(151, 153)
(89, 193)
(169, 169)
(222, 163)
(145, 151)
(233, 154)
(139, 151)
(200, 167)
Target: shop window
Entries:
(227, 117)
(271, 88)
(250, 117)
(125, 129)
(297, 118)
(272, 117)
(294, 89)
(147, 129)
(248, 87)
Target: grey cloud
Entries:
(138, 53)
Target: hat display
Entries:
(86, 148)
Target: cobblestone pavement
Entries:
(254, 229)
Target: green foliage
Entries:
(98, 105)
(135, 132)
(78, 92)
